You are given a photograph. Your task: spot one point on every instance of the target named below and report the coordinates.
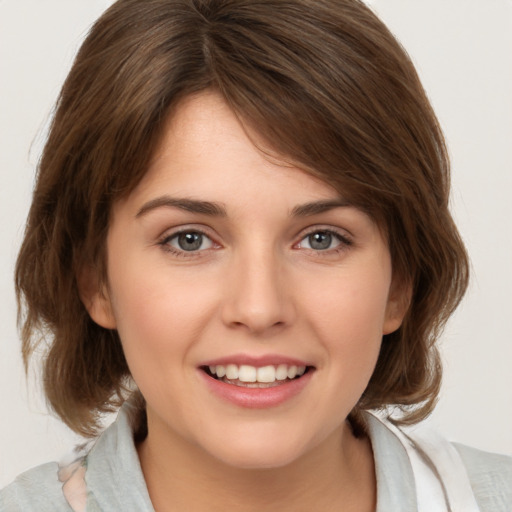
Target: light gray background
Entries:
(462, 49)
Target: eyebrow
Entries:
(317, 207)
(217, 210)
(189, 205)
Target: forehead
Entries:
(206, 150)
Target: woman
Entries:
(240, 229)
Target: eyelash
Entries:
(165, 243)
(344, 242)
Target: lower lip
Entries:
(257, 398)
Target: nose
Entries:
(258, 294)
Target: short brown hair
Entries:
(324, 83)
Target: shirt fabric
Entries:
(416, 472)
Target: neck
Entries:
(337, 475)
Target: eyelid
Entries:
(202, 237)
(345, 239)
(187, 228)
(169, 234)
(343, 234)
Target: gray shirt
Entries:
(114, 479)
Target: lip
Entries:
(257, 361)
(256, 398)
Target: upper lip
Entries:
(256, 361)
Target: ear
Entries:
(94, 296)
(399, 300)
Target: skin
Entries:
(256, 286)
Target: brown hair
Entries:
(324, 83)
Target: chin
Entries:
(263, 451)
(259, 459)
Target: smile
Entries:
(256, 382)
(255, 377)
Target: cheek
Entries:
(347, 314)
(159, 312)
(352, 304)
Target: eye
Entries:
(189, 241)
(322, 240)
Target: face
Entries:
(249, 297)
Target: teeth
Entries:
(232, 372)
(263, 374)
(292, 372)
(266, 374)
(282, 372)
(247, 373)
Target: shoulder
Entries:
(38, 489)
(490, 476)
(418, 464)
(104, 474)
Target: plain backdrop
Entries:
(462, 49)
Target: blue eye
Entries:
(322, 241)
(189, 241)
